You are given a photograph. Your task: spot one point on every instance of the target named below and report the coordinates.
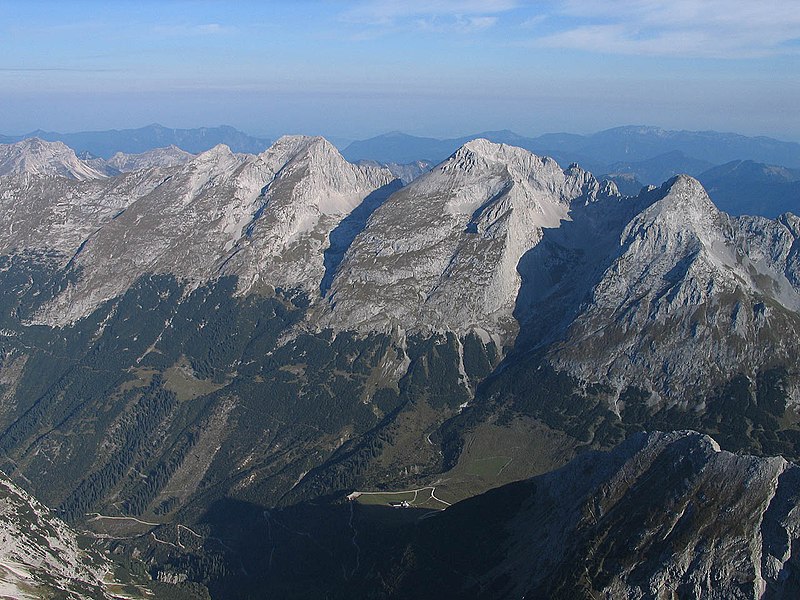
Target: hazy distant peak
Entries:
(218, 160)
(159, 157)
(220, 150)
(299, 143)
(142, 139)
(640, 130)
(394, 134)
(750, 170)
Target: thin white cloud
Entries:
(457, 24)
(467, 16)
(688, 28)
(533, 22)
(56, 69)
(200, 29)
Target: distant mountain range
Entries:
(135, 141)
(743, 175)
(738, 187)
(599, 152)
(397, 147)
(745, 186)
(631, 156)
(630, 176)
(648, 150)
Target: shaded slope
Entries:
(661, 513)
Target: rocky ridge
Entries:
(689, 517)
(205, 220)
(169, 156)
(690, 296)
(495, 241)
(312, 192)
(56, 215)
(35, 157)
(442, 253)
(40, 555)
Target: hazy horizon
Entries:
(438, 68)
(338, 139)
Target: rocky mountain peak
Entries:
(481, 155)
(158, 157)
(315, 202)
(681, 214)
(286, 147)
(540, 176)
(217, 167)
(444, 252)
(473, 152)
(216, 155)
(706, 278)
(685, 195)
(791, 222)
(33, 156)
(329, 182)
(290, 151)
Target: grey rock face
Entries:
(662, 290)
(690, 296)
(55, 214)
(169, 156)
(442, 253)
(312, 191)
(222, 214)
(406, 172)
(666, 513)
(36, 157)
(40, 556)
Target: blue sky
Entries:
(434, 67)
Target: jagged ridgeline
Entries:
(189, 337)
